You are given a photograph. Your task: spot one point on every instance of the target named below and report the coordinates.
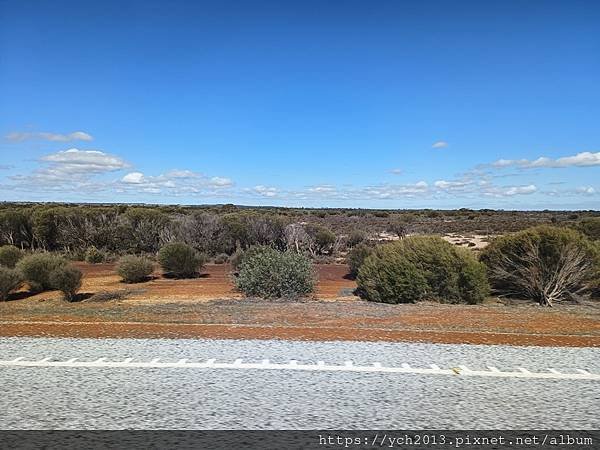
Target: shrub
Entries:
(10, 280)
(323, 238)
(36, 269)
(542, 263)
(355, 238)
(221, 258)
(10, 256)
(590, 227)
(180, 260)
(422, 267)
(134, 269)
(268, 273)
(356, 257)
(66, 279)
(94, 256)
(236, 259)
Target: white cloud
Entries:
(18, 136)
(588, 190)
(85, 161)
(325, 188)
(133, 178)
(174, 183)
(396, 171)
(583, 159)
(440, 144)
(510, 191)
(220, 182)
(265, 191)
(452, 185)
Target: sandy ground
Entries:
(208, 306)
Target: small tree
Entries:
(10, 280)
(542, 263)
(180, 260)
(268, 273)
(66, 279)
(134, 269)
(10, 256)
(36, 270)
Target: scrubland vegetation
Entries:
(543, 256)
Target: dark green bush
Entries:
(66, 279)
(134, 269)
(221, 258)
(268, 273)
(36, 270)
(180, 260)
(94, 256)
(10, 256)
(422, 268)
(356, 257)
(10, 280)
(543, 263)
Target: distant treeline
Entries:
(122, 229)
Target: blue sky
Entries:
(388, 104)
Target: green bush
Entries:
(134, 269)
(543, 263)
(221, 258)
(422, 268)
(356, 257)
(180, 260)
(94, 256)
(10, 280)
(10, 256)
(268, 273)
(66, 279)
(36, 270)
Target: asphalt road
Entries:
(192, 398)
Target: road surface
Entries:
(151, 391)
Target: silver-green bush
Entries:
(268, 273)
(10, 256)
(134, 269)
(66, 279)
(179, 260)
(36, 270)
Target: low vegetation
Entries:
(180, 260)
(134, 269)
(272, 250)
(10, 256)
(66, 279)
(268, 273)
(10, 280)
(94, 256)
(544, 263)
(422, 268)
(36, 269)
(356, 257)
